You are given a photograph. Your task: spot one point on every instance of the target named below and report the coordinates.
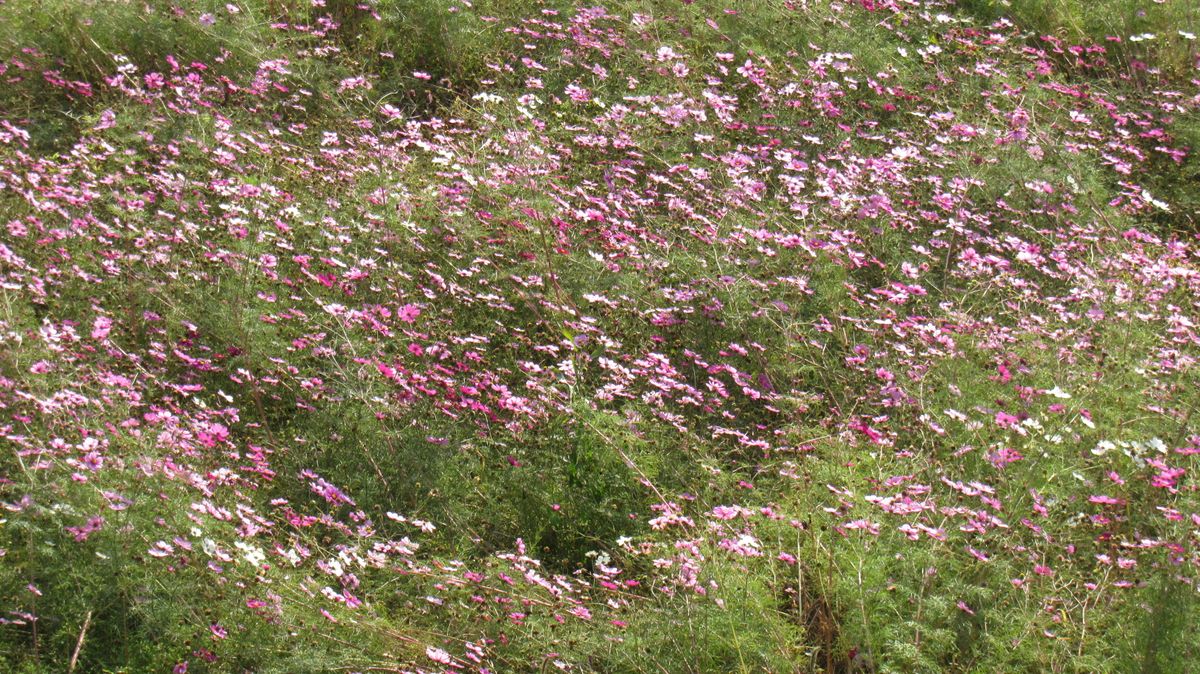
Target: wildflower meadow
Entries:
(646, 336)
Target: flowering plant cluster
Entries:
(654, 336)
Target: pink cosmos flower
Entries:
(578, 93)
(107, 121)
(350, 83)
(437, 655)
(408, 313)
(101, 327)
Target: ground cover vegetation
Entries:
(635, 336)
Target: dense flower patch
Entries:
(863, 331)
